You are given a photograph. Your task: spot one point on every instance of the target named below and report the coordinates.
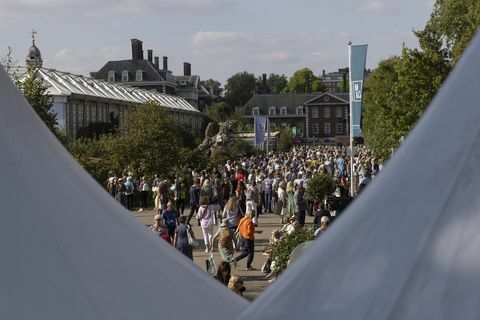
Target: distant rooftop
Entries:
(66, 84)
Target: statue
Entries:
(218, 142)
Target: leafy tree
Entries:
(377, 107)
(35, 91)
(240, 88)
(304, 81)
(149, 140)
(218, 112)
(217, 88)
(276, 83)
(450, 28)
(241, 147)
(319, 186)
(399, 91)
(10, 64)
(94, 156)
(285, 140)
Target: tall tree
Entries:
(276, 83)
(399, 91)
(240, 88)
(450, 28)
(304, 81)
(216, 86)
(35, 91)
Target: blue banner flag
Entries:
(358, 57)
(260, 126)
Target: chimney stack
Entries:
(187, 69)
(157, 64)
(137, 51)
(264, 81)
(323, 72)
(150, 55)
(165, 63)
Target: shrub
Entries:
(281, 250)
(319, 186)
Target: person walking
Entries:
(129, 188)
(170, 218)
(143, 187)
(300, 205)
(180, 240)
(246, 231)
(225, 244)
(194, 199)
(204, 216)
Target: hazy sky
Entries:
(218, 37)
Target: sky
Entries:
(218, 37)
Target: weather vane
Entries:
(33, 35)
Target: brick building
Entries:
(148, 74)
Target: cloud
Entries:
(277, 52)
(19, 9)
(378, 5)
(79, 61)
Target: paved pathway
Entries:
(255, 280)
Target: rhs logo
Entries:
(357, 90)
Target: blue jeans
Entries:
(268, 200)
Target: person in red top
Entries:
(246, 231)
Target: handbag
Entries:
(211, 266)
(191, 240)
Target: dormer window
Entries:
(256, 111)
(111, 76)
(271, 111)
(139, 75)
(283, 111)
(300, 110)
(125, 76)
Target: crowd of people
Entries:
(233, 197)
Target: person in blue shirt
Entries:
(170, 219)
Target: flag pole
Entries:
(352, 191)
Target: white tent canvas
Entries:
(69, 251)
(409, 246)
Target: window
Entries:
(111, 76)
(338, 112)
(326, 128)
(125, 76)
(299, 110)
(283, 111)
(315, 128)
(256, 111)
(271, 111)
(326, 112)
(339, 128)
(139, 75)
(314, 112)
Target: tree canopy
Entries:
(400, 89)
(216, 86)
(304, 81)
(240, 88)
(276, 83)
(149, 140)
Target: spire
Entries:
(33, 36)
(34, 57)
